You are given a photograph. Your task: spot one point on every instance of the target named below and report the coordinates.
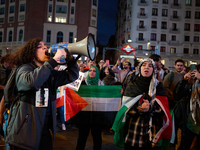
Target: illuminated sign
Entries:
(128, 49)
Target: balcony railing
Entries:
(140, 15)
(175, 6)
(142, 3)
(175, 31)
(175, 18)
(174, 43)
(141, 40)
(141, 28)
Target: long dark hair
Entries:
(102, 73)
(26, 53)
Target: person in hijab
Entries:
(144, 117)
(90, 120)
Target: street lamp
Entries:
(148, 45)
(129, 40)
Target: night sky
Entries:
(107, 11)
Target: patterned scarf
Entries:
(95, 80)
(154, 82)
(195, 99)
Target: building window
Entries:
(59, 37)
(20, 35)
(2, 1)
(196, 39)
(187, 38)
(155, 1)
(165, 1)
(50, 7)
(162, 49)
(187, 27)
(152, 48)
(73, 1)
(1, 20)
(72, 20)
(154, 11)
(188, 14)
(48, 36)
(172, 50)
(11, 19)
(197, 27)
(173, 38)
(94, 2)
(188, 2)
(21, 17)
(72, 10)
(71, 37)
(196, 51)
(174, 27)
(1, 36)
(49, 18)
(175, 14)
(12, 1)
(154, 24)
(61, 9)
(163, 37)
(163, 25)
(12, 9)
(141, 37)
(142, 12)
(94, 12)
(164, 12)
(197, 15)
(176, 3)
(153, 36)
(2, 11)
(197, 2)
(22, 7)
(10, 36)
(93, 22)
(62, 1)
(140, 47)
(61, 19)
(186, 51)
(141, 24)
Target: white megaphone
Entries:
(84, 47)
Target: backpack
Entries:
(11, 94)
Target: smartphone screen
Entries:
(192, 67)
(107, 62)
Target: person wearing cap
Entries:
(101, 63)
(144, 116)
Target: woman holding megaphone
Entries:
(33, 116)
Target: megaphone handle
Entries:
(78, 57)
(63, 57)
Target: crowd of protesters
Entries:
(170, 81)
(155, 98)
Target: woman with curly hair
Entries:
(37, 81)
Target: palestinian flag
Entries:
(101, 98)
(59, 99)
(73, 103)
(105, 100)
(120, 119)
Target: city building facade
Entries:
(170, 28)
(53, 21)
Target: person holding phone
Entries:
(188, 120)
